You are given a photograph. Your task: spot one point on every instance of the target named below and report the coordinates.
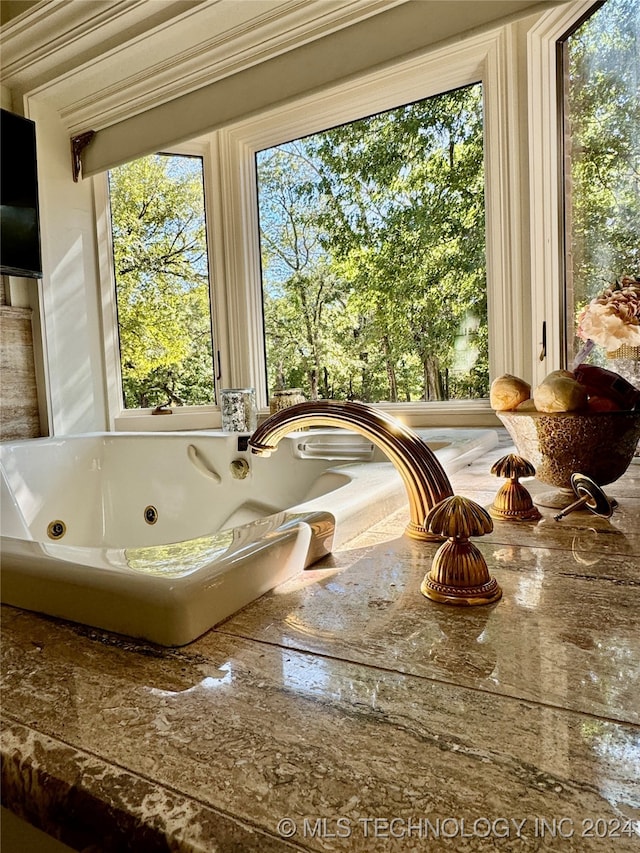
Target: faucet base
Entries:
(419, 532)
(485, 593)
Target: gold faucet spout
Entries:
(424, 477)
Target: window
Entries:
(162, 281)
(412, 319)
(496, 331)
(600, 72)
(373, 255)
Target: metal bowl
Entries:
(598, 444)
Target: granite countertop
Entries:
(344, 711)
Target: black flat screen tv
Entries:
(19, 214)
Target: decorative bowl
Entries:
(598, 444)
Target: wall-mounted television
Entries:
(19, 214)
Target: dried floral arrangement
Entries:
(612, 319)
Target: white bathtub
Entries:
(153, 536)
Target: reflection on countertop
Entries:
(344, 711)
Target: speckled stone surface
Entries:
(344, 711)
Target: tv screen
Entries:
(19, 217)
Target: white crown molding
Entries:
(66, 57)
(227, 53)
(99, 62)
(40, 40)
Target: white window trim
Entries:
(491, 58)
(189, 417)
(108, 308)
(547, 259)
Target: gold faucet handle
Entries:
(458, 517)
(590, 496)
(513, 467)
(513, 502)
(459, 573)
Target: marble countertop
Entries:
(344, 711)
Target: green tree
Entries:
(302, 296)
(373, 254)
(162, 283)
(405, 222)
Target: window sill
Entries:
(188, 418)
(463, 413)
(451, 413)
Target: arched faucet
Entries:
(424, 477)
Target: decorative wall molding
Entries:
(155, 57)
(223, 55)
(99, 64)
(36, 44)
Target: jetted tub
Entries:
(162, 536)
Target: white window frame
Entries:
(189, 417)
(546, 191)
(232, 216)
(486, 58)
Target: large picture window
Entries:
(373, 255)
(359, 248)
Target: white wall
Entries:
(71, 325)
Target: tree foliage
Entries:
(162, 284)
(303, 296)
(393, 206)
(603, 144)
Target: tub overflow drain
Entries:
(56, 529)
(150, 514)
